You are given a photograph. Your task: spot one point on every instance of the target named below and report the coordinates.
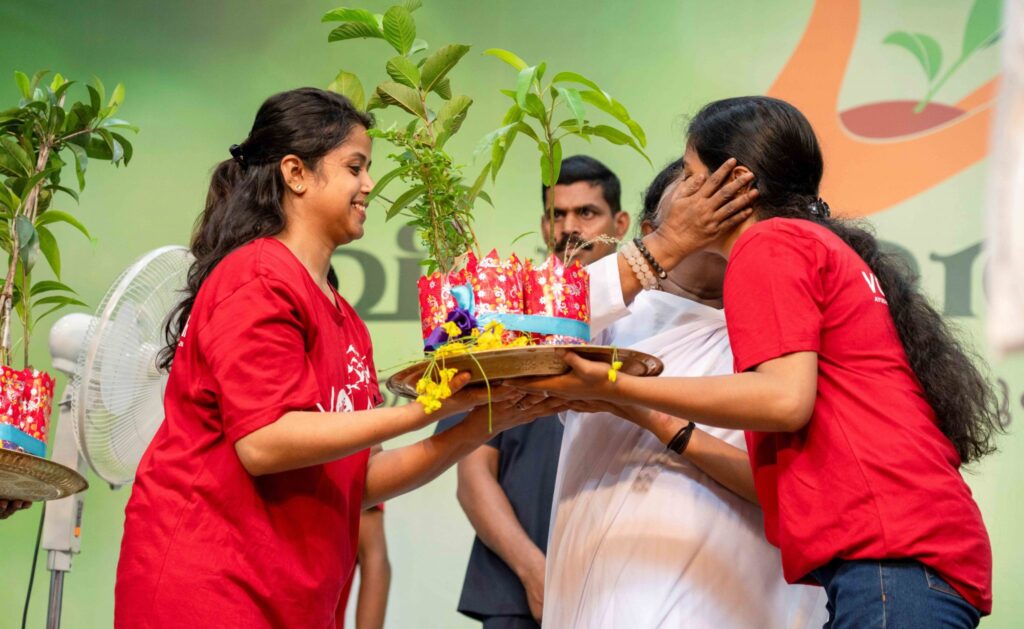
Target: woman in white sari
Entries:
(642, 536)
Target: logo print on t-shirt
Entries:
(875, 286)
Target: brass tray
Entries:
(522, 362)
(27, 477)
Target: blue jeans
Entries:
(891, 594)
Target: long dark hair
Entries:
(244, 200)
(776, 142)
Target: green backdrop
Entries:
(196, 72)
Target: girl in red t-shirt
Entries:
(246, 505)
(859, 403)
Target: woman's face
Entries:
(337, 193)
(692, 165)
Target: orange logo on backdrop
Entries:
(880, 154)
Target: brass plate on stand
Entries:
(523, 362)
(27, 477)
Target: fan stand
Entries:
(63, 519)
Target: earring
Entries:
(299, 188)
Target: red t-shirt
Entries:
(206, 544)
(871, 476)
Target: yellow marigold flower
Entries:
(520, 341)
(453, 330)
(450, 349)
(613, 373)
(495, 326)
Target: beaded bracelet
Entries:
(660, 272)
(641, 269)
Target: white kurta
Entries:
(640, 538)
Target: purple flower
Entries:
(461, 317)
(464, 319)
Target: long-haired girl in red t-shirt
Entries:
(859, 402)
(246, 505)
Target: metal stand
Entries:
(63, 520)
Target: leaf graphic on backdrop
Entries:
(924, 48)
(982, 25)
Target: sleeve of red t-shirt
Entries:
(773, 297)
(254, 346)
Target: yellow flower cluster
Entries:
(613, 373)
(431, 392)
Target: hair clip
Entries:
(818, 207)
(236, 154)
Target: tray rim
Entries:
(76, 482)
(402, 390)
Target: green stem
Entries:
(938, 84)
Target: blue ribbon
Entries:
(22, 440)
(539, 324)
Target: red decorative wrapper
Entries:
(555, 290)
(26, 398)
(497, 286)
(436, 298)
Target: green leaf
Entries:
(508, 57)
(547, 176)
(22, 80)
(57, 216)
(402, 95)
(616, 110)
(404, 71)
(418, 46)
(27, 241)
(983, 24)
(399, 29)
(116, 98)
(924, 48)
(385, 180)
(13, 158)
(116, 152)
(481, 179)
(526, 129)
(57, 299)
(49, 286)
(451, 116)
(486, 197)
(535, 107)
(617, 137)
(100, 91)
(488, 140)
(349, 86)
(498, 150)
(514, 114)
(404, 200)
(68, 191)
(574, 77)
(48, 245)
(117, 123)
(440, 63)
(443, 88)
(126, 145)
(39, 318)
(355, 30)
(412, 5)
(523, 83)
(574, 101)
(374, 102)
(344, 14)
(81, 163)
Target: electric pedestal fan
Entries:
(113, 403)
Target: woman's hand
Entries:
(704, 208)
(464, 397)
(8, 507)
(514, 411)
(586, 380)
